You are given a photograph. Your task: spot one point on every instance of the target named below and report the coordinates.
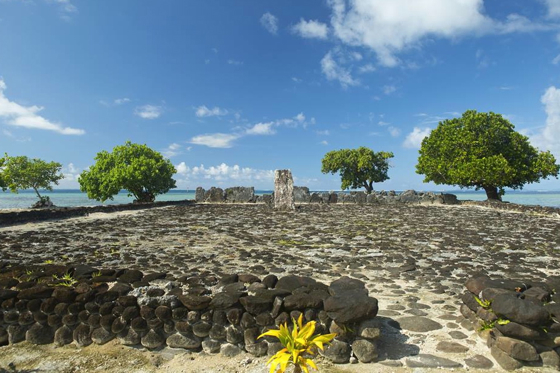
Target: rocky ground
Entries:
(414, 259)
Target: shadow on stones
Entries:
(12, 369)
(392, 343)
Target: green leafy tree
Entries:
(358, 168)
(482, 151)
(24, 173)
(143, 172)
(2, 182)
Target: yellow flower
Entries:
(296, 343)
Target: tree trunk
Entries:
(492, 193)
(369, 187)
(36, 191)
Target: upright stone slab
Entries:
(283, 190)
(199, 194)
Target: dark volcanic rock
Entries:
(346, 284)
(338, 352)
(36, 292)
(351, 306)
(40, 334)
(519, 310)
(430, 361)
(256, 304)
(195, 302)
(152, 340)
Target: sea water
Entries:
(70, 197)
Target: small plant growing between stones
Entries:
(65, 280)
(487, 325)
(298, 342)
(483, 303)
(48, 261)
(96, 274)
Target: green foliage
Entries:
(24, 173)
(65, 280)
(143, 172)
(358, 168)
(482, 151)
(297, 342)
(483, 303)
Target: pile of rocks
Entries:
(196, 313)
(235, 194)
(520, 319)
(303, 195)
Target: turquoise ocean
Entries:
(70, 198)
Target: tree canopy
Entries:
(24, 173)
(143, 172)
(482, 151)
(358, 168)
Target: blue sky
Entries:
(231, 90)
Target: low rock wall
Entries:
(519, 320)
(198, 313)
(303, 195)
(24, 216)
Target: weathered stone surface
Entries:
(338, 352)
(101, 336)
(257, 349)
(284, 190)
(240, 194)
(451, 347)
(211, 346)
(518, 331)
(82, 335)
(230, 350)
(346, 284)
(301, 194)
(550, 359)
(153, 339)
(132, 338)
(214, 195)
(364, 350)
(8, 294)
(519, 310)
(479, 362)
(63, 336)
(291, 282)
(201, 329)
(256, 304)
(430, 361)
(418, 324)
(199, 194)
(504, 360)
(517, 349)
(350, 307)
(40, 334)
(302, 301)
(188, 341)
(195, 302)
(36, 292)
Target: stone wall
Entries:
(218, 195)
(197, 313)
(303, 195)
(519, 319)
(24, 216)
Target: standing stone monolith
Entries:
(284, 190)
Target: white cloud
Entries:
(310, 29)
(270, 23)
(261, 129)
(148, 111)
(235, 62)
(203, 111)
(394, 131)
(171, 151)
(296, 80)
(27, 117)
(66, 8)
(215, 140)
(224, 173)
(333, 71)
(368, 68)
(388, 89)
(323, 133)
(391, 27)
(414, 139)
(549, 135)
(324, 142)
(121, 101)
(556, 60)
(553, 8)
